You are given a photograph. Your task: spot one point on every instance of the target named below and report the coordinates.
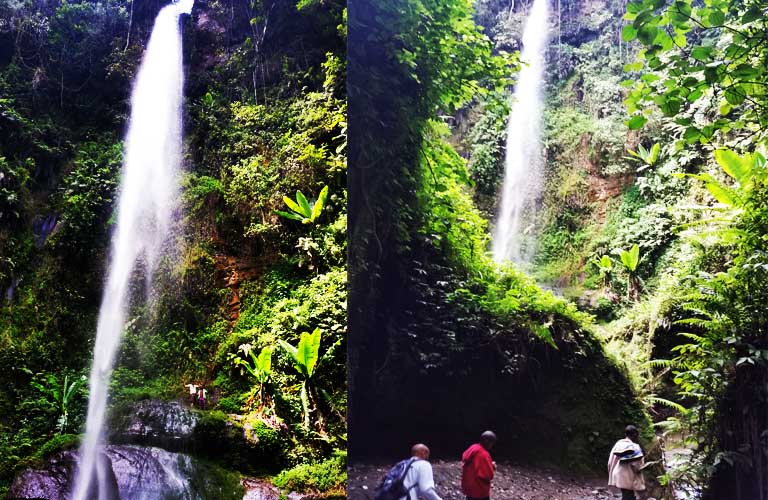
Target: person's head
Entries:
(632, 433)
(487, 440)
(420, 451)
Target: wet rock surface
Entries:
(512, 482)
(259, 489)
(137, 472)
(166, 424)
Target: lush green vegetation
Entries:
(265, 119)
(652, 210)
(435, 322)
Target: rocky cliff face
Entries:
(133, 472)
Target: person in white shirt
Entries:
(192, 393)
(625, 464)
(419, 480)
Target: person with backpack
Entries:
(477, 468)
(409, 479)
(625, 464)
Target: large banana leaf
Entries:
(263, 365)
(630, 258)
(305, 355)
(290, 215)
(304, 204)
(317, 208)
(294, 206)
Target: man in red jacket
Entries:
(478, 468)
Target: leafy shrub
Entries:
(327, 475)
(87, 196)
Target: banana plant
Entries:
(630, 259)
(304, 210)
(604, 266)
(61, 396)
(261, 369)
(647, 156)
(305, 360)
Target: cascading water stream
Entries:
(523, 162)
(148, 192)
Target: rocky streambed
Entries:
(163, 450)
(512, 482)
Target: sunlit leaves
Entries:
(302, 209)
(732, 72)
(630, 258)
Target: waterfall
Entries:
(148, 192)
(523, 162)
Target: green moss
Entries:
(324, 476)
(216, 483)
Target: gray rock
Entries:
(135, 473)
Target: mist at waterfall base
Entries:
(148, 191)
(523, 163)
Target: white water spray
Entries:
(523, 162)
(149, 190)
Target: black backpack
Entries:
(391, 486)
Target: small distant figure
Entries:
(625, 464)
(477, 468)
(409, 479)
(202, 396)
(192, 393)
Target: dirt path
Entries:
(512, 482)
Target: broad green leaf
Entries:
(716, 18)
(735, 95)
(629, 33)
(317, 208)
(308, 351)
(647, 33)
(636, 122)
(723, 194)
(702, 53)
(289, 215)
(691, 135)
(634, 254)
(680, 12)
(264, 361)
(263, 365)
(292, 205)
(630, 259)
(292, 352)
(306, 210)
(654, 156)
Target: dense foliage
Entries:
(265, 117)
(651, 210)
(434, 321)
(704, 73)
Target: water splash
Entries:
(523, 162)
(148, 193)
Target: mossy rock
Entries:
(248, 444)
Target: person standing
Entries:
(419, 481)
(201, 397)
(625, 464)
(477, 468)
(192, 393)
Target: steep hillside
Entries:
(653, 199)
(264, 117)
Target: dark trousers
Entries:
(627, 494)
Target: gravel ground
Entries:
(512, 482)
